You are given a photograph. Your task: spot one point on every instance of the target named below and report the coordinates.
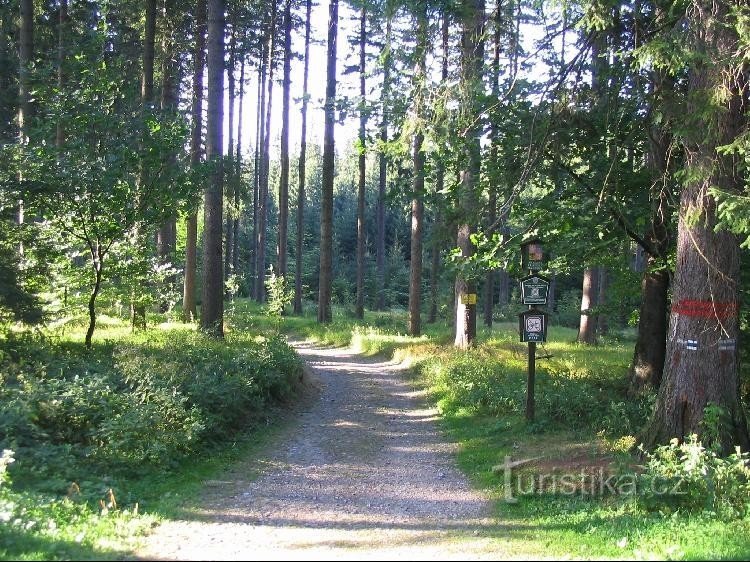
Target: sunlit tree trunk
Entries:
(62, 42)
(436, 241)
(383, 163)
(494, 160)
(189, 309)
(212, 317)
(265, 159)
(228, 164)
(284, 180)
(237, 176)
(418, 157)
(25, 57)
(326, 204)
(472, 57)
(587, 324)
(360, 303)
(166, 236)
(259, 126)
(137, 310)
(302, 175)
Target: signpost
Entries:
(532, 323)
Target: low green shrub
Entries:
(689, 478)
(566, 397)
(466, 380)
(130, 407)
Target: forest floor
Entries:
(363, 471)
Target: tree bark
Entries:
(259, 126)
(25, 57)
(702, 357)
(437, 235)
(326, 205)
(602, 322)
(360, 303)
(189, 309)
(472, 57)
(383, 163)
(494, 160)
(302, 174)
(237, 176)
(166, 236)
(228, 164)
(260, 267)
(212, 317)
(647, 366)
(138, 311)
(62, 40)
(97, 264)
(284, 180)
(587, 325)
(418, 157)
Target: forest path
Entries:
(363, 472)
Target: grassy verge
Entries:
(584, 428)
(108, 441)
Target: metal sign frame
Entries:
(532, 318)
(538, 300)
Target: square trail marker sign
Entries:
(532, 326)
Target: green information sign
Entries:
(532, 326)
(534, 290)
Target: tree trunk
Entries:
(259, 125)
(137, 310)
(228, 164)
(302, 175)
(212, 317)
(284, 181)
(170, 82)
(436, 235)
(587, 326)
(189, 309)
(650, 347)
(472, 57)
(25, 57)
(647, 366)
(494, 160)
(552, 296)
(62, 34)
(602, 322)
(237, 176)
(97, 267)
(702, 357)
(360, 304)
(260, 267)
(383, 164)
(166, 236)
(417, 204)
(326, 204)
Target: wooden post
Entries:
(530, 382)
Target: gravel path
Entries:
(363, 473)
